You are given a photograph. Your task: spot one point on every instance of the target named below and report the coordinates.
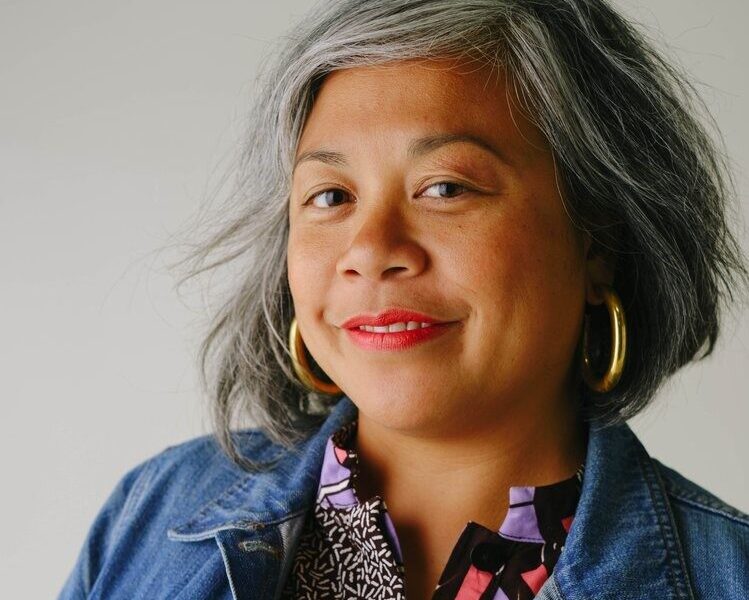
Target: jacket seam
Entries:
(141, 473)
(135, 494)
(707, 502)
(225, 501)
(227, 568)
(668, 528)
(707, 508)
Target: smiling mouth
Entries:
(400, 318)
(395, 327)
(382, 338)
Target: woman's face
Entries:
(480, 238)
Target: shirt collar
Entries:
(623, 537)
(340, 469)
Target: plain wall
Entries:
(114, 117)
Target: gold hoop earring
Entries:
(301, 365)
(618, 345)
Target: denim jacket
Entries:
(189, 524)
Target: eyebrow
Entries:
(417, 147)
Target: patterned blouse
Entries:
(349, 549)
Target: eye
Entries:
(332, 197)
(448, 187)
(328, 197)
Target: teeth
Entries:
(394, 327)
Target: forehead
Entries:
(402, 98)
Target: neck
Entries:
(467, 477)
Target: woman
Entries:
(481, 235)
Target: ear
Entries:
(599, 267)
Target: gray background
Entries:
(114, 119)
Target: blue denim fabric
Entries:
(189, 524)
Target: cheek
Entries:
(308, 261)
(494, 257)
(546, 272)
(298, 265)
(524, 273)
(538, 252)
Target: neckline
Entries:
(341, 468)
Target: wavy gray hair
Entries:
(642, 175)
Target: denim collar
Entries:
(623, 542)
(257, 500)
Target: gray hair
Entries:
(640, 171)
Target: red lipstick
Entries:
(395, 340)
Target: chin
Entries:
(402, 407)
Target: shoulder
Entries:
(184, 476)
(196, 460)
(195, 455)
(715, 535)
(130, 529)
(694, 498)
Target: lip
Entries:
(390, 316)
(398, 340)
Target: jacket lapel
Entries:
(623, 542)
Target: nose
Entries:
(382, 246)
